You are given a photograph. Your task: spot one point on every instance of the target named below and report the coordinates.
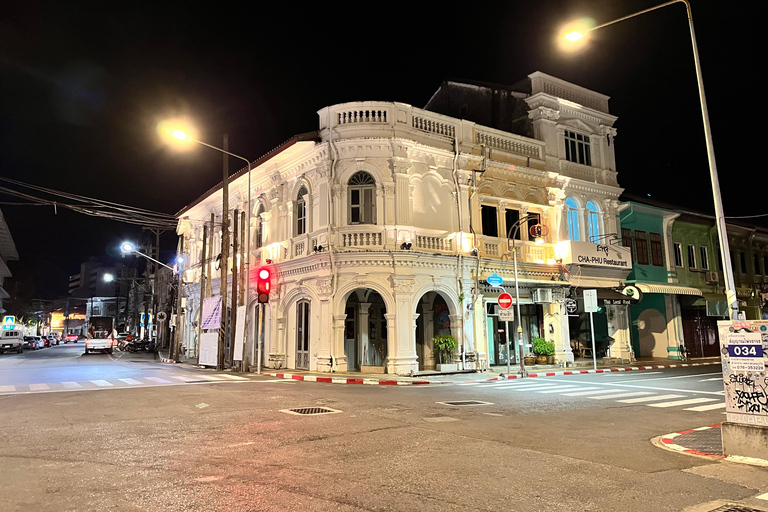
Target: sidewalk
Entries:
(493, 374)
(702, 442)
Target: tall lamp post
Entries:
(511, 233)
(730, 287)
(181, 135)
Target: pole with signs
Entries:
(506, 314)
(590, 305)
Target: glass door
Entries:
(302, 335)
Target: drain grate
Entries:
(310, 411)
(464, 403)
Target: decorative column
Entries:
(618, 329)
(338, 342)
(457, 331)
(429, 333)
(365, 342)
(403, 360)
(277, 350)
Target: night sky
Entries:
(82, 86)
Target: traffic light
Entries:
(263, 284)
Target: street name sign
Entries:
(494, 279)
(590, 301)
(507, 315)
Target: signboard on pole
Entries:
(744, 349)
(590, 301)
(571, 306)
(209, 349)
(494, 279)
(239, 333)
(212, 312)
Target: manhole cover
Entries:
(310, 411)
(736, 508)
(464, 403)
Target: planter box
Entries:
(372, 369)
(448, 367)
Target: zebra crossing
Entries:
(648, 398)
(117, 383)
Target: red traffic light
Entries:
(263, 284)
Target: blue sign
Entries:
(745, 350)
(494, 279)
(9, 322)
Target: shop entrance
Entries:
(434, 319)
(700, 333)
(365, 331)
(532, 322)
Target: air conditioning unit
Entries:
(542, 295)
(712, 277)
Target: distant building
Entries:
(383, 227)
(8, 253)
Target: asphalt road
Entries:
(220, 447)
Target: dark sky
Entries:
(82, 85)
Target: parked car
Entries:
(52, 339)
(38, 342)
(70, 338)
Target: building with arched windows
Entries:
(383, 227)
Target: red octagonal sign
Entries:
(505, 301)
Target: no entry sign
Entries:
(505, 301)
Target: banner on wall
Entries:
(239, 333)
(744, 350)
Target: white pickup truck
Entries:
(11, 340)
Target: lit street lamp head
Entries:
(127, 247)
(108, 278)
(573, 35)
(177, 132)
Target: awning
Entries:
(669, 289)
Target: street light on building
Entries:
(175, 131)
(577, 33)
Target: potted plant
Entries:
(543, 350)
(529, 359)
(444, 345)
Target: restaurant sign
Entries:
(596, 255)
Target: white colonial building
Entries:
(383, 226)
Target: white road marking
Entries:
(708, 380)
(585, 392)
(762, 496)
(216, 377)
(158, 380)
(560, 389)
(674, 390)
(232, 377)
(102, 383)
(675, 377)
(71, 385)
(183, 378)
(710, 407)
(618, 395)
(132, 382)
(39, 387)
(468, 383)
(683, 402)
(521, 387)
(648, 399)
(7, 389)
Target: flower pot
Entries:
(550, 359)
(541, 359)
(443, 368)
(529, 360)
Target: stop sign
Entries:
(505, 301)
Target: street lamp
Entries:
(575, 34)
(170, 130)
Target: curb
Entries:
(403, 382)
(169, 361)
(668, 441)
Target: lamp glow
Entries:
(574, 36)
(127, 247)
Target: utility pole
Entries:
(203, 279)
(235, 279)
(177, 325)
(224, 257)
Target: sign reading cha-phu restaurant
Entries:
(596, 255)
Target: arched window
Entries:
(301, 211)
(362, 198)
(593, 222)
(572, 211)
(259, 227)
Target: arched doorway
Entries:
(434, 319)
(365, 332)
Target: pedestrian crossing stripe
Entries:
(648, 399)
(619, 395)
(710, 407)
(95, 384)
(559, 389)
(683, 402)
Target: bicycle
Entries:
(682, 352)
